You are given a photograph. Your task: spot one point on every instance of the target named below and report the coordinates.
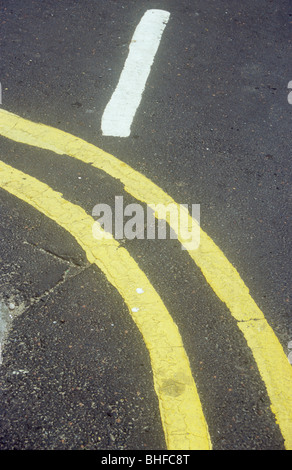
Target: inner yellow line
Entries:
(273, 364)
(181, 413)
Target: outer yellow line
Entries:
(182, 417)
(224, 279)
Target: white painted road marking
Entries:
(121, 109)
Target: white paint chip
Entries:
(139, 290)
(121, 109)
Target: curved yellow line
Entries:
(273, 364)
(182, 417)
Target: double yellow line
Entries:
(180, 408)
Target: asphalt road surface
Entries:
(213, 128)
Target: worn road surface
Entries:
(213, 127)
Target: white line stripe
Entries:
(120, 111)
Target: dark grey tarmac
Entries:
(213, 128)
